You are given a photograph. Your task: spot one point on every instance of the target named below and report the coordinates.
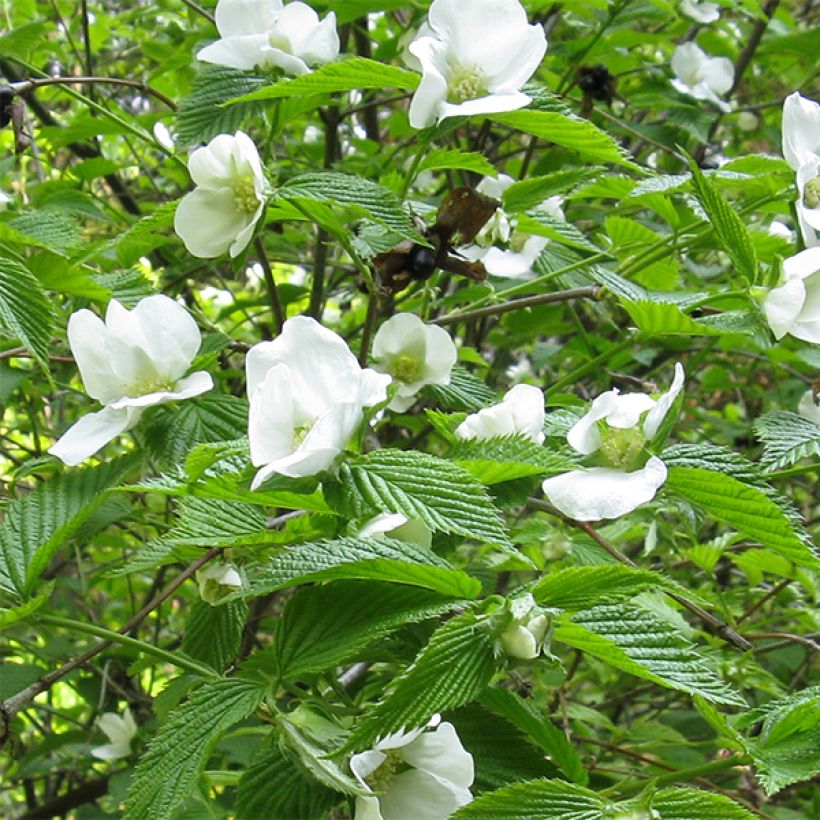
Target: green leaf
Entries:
(451, 158)
(505, 458)
(167, 773)
(450, 671)
(36, 525)
(365, 197)
(217, 523)
(544, 799)
(635, 641)
(729, 228)
(442, 495)
(15, 614)
(527, 193)
(50, 229)
(345, 75)
(665, 319)
(25, 310)
(201, 115)
(587, 586)
(213, 633)
(684, 804)
(787, 438)
(539, 729)
(746, 509)
(377, 559)
(568, 131)
(465, 391)
(276, 786)
(324, 626)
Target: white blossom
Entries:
(135, 359)
(809, 407)
(521, 412)
(473, 59)
(425, 773)
(221, 213)
(398, 527)
(700, 12)
(615, 429)
(5, 201)
(414, 354)
(120, 731)
(794, 306)
(268, 33)
(801, 148)
(524, 636)
(701, 76)
(216, 581)
(307, 393)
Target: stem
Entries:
(132, 643)
(793, 471)
(590, 365)
(278, 309)
(369, 325)
(689, 774)
(26, 85)
(590, 292)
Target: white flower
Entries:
(615, 429)
(809, 407)
(474, 59)
(524, 637)
(135, 359)
(220, 214)
(414, 354)
(701, 12)
(5, 201)
(700, 76)
(801, 148)
(794, 306)
(120, 731)
(399, 527)
(417, 774)
(267, 33)
(216, 581)
(306, 393)
(522, 249)
(521, 412)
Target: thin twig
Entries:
(277, 307)
(23, 86)
(776, 590)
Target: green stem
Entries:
(792, 471)
(180, 662)
(590, 365)
(687, 775)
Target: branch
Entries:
(278, 309)
(23, 86)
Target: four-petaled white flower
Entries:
(794, 306)
(521, 412)
(528, 624)
(701, 12)
(135, 359)
(221, 213)
(398, 527)
(307, 393)
(414, 354)
(417, 774)
(474, 59)
(615, 429)
(514, 261)
(120, 731)
(701, 76)
(809, 407)
(801, 148)
(216, 581)
(268, 33)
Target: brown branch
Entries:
(22, 86)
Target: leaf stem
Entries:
(683, 775)
(270, 283)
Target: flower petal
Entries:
(271, 424)
(88, 337)
(782, 306)
(208, 221)
(489, 104)
(801, 129)
(654, 418)
(602, 492)
(242, 52)
(171, 334)
(92, 432)
(415, 794)
(809, 408)
(364, 764)
(194, 385)
(441, 753)
(237, 17)
(432, 90)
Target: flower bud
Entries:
(218, 581)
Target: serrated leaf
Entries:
(327, 625)
(345, 75)
(450, 671)
(729, 228)
(49, 228)
(665, 319)
(380, 559)
(544, 799)
(787, 438)
(684, 804)
(568, 131)
(217, 523)
(367, 198)
(36, 525)
(505, 458)
(746, 509)
(527, 193)
(464, 392)
(635, 641)
(442, 495)
(201, 115)
(25, 310)
(15, 614)
(538, 728)
(583, 587)
(167, 773)
(212, 633)
(451, 158)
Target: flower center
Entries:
(380, 779)
(146, 386)
(621, 448)
(518, 240)
(406, 368)
(300, 433)
(811, 193)
(244, 195)
(466, 84)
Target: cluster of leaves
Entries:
(677, 679)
